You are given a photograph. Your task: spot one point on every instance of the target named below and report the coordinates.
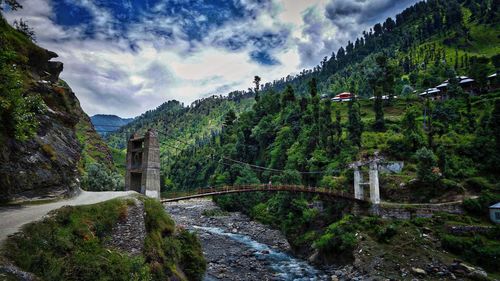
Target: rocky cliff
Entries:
(48, 162)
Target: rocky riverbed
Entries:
(237, 248)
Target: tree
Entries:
(313, 90)
(413, 136)
(17, 111)
(495, 124)
(229, 119)
(479, 70)
(99, 178)
(355, 125)
(496, 62)
(288, 96)
(454, 14)
(389, 24)
(454, 89)
(23, 27)
(377, 29)
(256, 81)
(325, 124)
(246, 176)
(471, 118)
(427, 171)
(379, 124)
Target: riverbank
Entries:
(237, 248)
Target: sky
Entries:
(124, 57)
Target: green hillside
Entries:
(180, 128)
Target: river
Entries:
(237, 248)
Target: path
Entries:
(13, 217)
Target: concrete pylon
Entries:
(374, 185)
(143, 164)
(358, 190)
(151, 165)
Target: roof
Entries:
(430, 91)
(468, 80)
(493, 75)
(445, 84)
(495, 206)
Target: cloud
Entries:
(126, 57)
(318, 37)
(355, 14)
(329, 25)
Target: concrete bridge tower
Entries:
(373, 181)
(143, 164)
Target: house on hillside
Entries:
(345, 96)
(431, 93)
(440, 92)
(495, 213)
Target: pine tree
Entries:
(495, 124)
(313, 90)
(355, 125)
(471, 118)
(413, 136)
(256, 81)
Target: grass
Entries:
(119, 159)
(70, 245)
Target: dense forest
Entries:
(290, 132)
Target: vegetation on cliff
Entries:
(40, 116)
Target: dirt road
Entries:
(13, 217)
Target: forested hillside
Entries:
(294, 135)
(420, 41)
(181, 128)
(295, 130)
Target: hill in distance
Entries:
(105, 123)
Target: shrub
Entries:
(192, 261)
(98, 178)
(477, 250)
(426, 166)
(384, 234)
(164, 251)
(334, 183)
(49, 151)
(449, 184)
(477, 184)
(260, 212)
(338, 237)
(395, 146)
(479, 206)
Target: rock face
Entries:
(48, 164)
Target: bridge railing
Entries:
(264, 187)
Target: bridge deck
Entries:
(205, 192)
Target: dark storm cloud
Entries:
(263, 58)
(364, 11)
